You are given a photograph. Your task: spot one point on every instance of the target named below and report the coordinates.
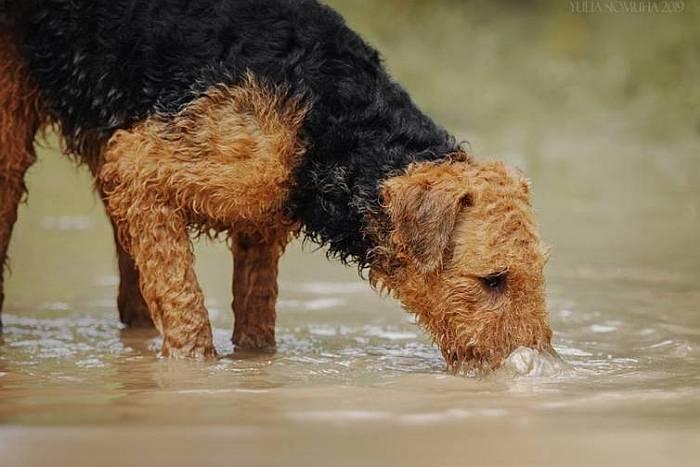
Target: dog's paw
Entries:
(198, 351)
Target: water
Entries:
(616, 177)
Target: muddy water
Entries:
(616, 182)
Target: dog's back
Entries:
(6, 12)
(12, 11)
(106, 64)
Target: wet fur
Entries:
(222, 164)
(261, 119)
(105, 65)
(21, 116)
(480, 220)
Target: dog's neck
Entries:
(337, 198)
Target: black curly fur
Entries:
(106, 64)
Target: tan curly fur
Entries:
(223, 164)
(255, 288)
(21, 116)
(133, 311)
(453, 225)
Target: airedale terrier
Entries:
(264, 119)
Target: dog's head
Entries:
(463, 253)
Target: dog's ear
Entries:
(423, 205)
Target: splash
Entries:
(524, 361)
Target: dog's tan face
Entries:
(467, 260)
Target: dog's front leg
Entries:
(156, 235)
(222, 164)
(256, 258)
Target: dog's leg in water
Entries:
(20, 119)
(222, 164)
(255, 289)
(13, 166)
(156, 235)
(133, 311)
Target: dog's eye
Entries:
(495, 282)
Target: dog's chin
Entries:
(469, 361)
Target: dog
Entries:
(263, 120)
